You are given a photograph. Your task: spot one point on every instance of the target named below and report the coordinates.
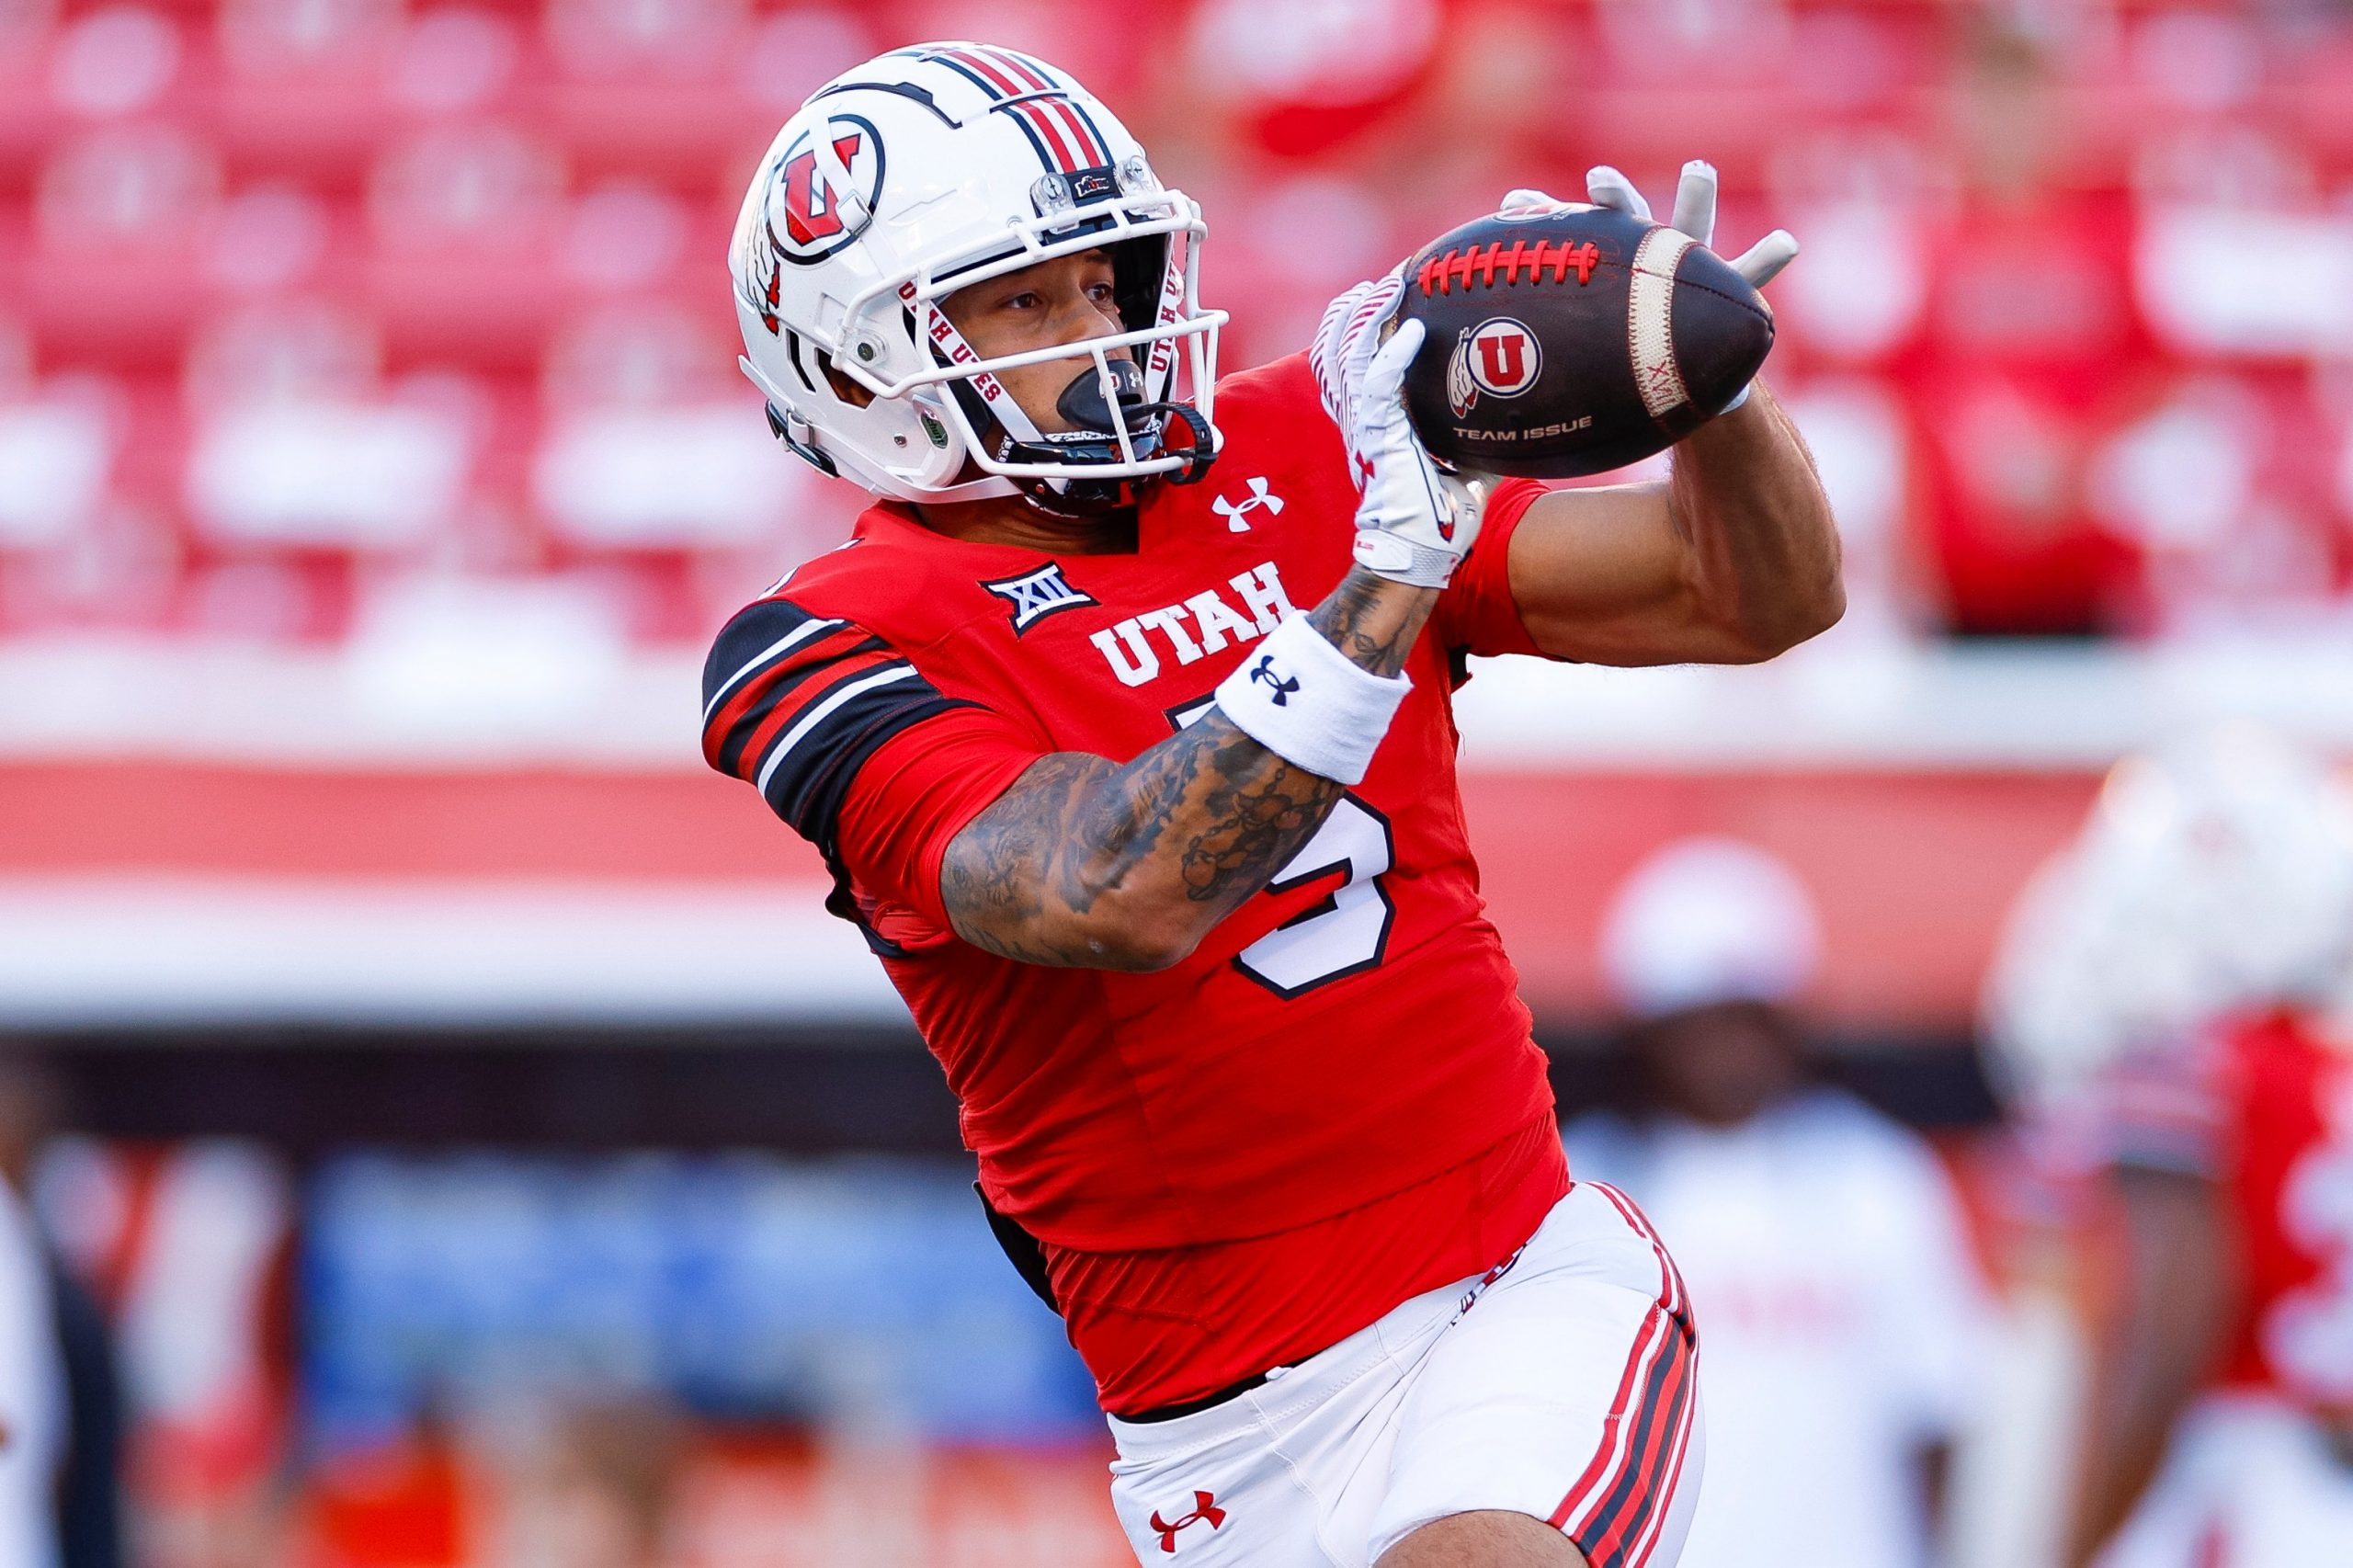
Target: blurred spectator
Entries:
(1837, 1302)
(2173, 1006)
(2030, 333)
(599, 1491)
(59, 1422)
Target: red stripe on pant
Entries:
(1671, 1292)
(1643, 1491)
(1645, 1543)
(1605, 1459)
(1627, 1488)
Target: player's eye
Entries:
(1025, 300)
(1099, 292)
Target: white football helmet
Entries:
(922, 172)
(2211, 878)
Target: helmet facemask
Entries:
(1112, 419)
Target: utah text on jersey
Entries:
(1131, 655)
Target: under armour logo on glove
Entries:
(1234, 512)
(1205, 1511)
(1265, 670)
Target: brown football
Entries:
(1573, 341)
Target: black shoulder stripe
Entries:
(759, 711)
(761, 632)
(808, 775)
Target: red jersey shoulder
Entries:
(1273, 415)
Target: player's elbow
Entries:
(1800, 615)
(1764, 623)
(1138, 939)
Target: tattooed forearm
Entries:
(1368, 620)
(1089, 862)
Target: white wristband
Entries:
(1310, 704)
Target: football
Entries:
(1572, 340)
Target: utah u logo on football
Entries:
(1205, 1512)
(1499, 356)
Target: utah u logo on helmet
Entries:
(822, 190)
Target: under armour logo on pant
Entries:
(1205, 1511)
(1234, 512)
(1265, 670)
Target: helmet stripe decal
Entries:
(1046, 74)
(1092, 128)
(1020, 68)
(956, 62)
(988, 68)
(1034, 111)
(1088, 153)
(1017, 85)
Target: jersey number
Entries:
(1346, 933)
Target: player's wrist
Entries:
(1303, 698)
(1396, 558)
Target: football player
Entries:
(2174, 1005)
(1123, 724)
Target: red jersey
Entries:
(2265, 1108)
(1351, 1037)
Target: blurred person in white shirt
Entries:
(1823, 1244)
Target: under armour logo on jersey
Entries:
(1264, 670)
(1234, 512)
(1037, 595)
(1205, 1511)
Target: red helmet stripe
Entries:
(1020, 67)
(1035, 112)
(986, 67)
(1090, 151)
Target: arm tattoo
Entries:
(1208, 816)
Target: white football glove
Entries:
(1414, 522)
(1695, 214)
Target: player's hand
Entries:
(1695, 214)
(1416, 521)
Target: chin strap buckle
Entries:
(796, 434)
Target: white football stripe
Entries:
(1650, 320)
(800, 633)
(816, 715)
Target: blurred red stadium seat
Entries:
(474, 185)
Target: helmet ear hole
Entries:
(848, 391)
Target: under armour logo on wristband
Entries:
(1205, 1511)
(1265, 670)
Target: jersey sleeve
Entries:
(1477, 614)
(2165, 1109)
(912, 798)
(847, 740)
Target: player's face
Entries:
(1065, 301)
(1722, 1065)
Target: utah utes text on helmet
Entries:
(926, 170)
